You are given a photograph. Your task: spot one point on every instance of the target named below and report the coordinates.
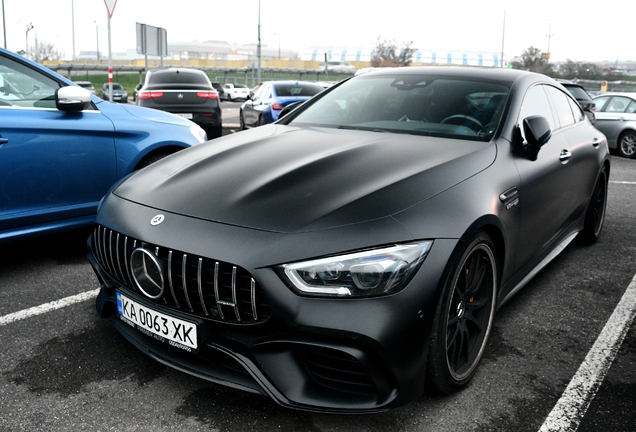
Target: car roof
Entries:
(625, 94)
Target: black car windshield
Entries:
(466, 108)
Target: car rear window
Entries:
(284, 90)
(178, 77)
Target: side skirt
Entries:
(552, 255)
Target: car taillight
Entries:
(277, 107)
(150, 94)
(208, 95)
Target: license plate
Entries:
(178, 333)
(188, 116)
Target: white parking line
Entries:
(47, 307)
(623, 182)
(570, 409)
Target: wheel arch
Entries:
(156, 154)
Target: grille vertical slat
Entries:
(200, 285)
(170, 283)
(216, 288)
(236, 311)
(253, 298)
(219, 286)
(184, 280)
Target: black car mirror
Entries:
(538, 132)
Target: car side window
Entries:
(25, 87)
(562, 106)
(618, 104)
(631, 108)
(579, 115)
(600, 102)
(535, 103)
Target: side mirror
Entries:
(289, 108)
(72, 98)
(538, 132)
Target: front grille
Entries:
(198, 285)
(337, 370)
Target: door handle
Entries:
(596, 142)
(565, 156)
(4, 140)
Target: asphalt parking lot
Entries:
(63, 368)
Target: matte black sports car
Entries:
(353, 253)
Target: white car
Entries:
(235, 91)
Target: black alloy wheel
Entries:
(627, 144)
(464, 317)
(595, 214)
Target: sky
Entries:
(577, 30)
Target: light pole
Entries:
(258, 48)
(28, 28)
(97, 38)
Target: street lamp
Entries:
(28, 28)
(97, 38)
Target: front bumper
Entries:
(315, 354)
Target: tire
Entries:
(261, 120)
(152, 158)
(627, 144)
(464, 317)
(241, 121)
(214, 132)
(595, 214)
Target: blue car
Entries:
(270, 98)
(62, 148)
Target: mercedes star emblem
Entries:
(147, 273)
(156, 220)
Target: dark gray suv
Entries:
(185, 92)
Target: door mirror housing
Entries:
(72, 98)
(538, 132)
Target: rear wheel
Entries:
(261, 120)
(627, 144)
(595, 214)
(464, 317)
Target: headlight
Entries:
(198, 133)
(362, 274)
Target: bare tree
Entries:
(386, 54)
(532, 60)
(44, 51)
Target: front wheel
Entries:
(464, 317)
(627, 145)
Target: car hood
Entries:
(287, 179)
(113, 110)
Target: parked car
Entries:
(341, 67)
(119, 93)
(62, 148)
(345, 259)
(270, 98)
(616, 118)
(583, 98)
(219, 89)
(136, 91)
(235, 92)
(87, 85)
(185, 92)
